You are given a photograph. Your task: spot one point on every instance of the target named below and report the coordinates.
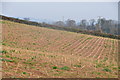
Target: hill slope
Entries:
(30, 51)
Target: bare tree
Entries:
(70, 23)
(83, 24)
(59, 23)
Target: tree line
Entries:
(71, 26)
(100, 25)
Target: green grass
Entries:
(4, 44)
(77, 65)
(44, 64)
(29, 63)
(4, 51)
(24, 73)
(65, 68)
(98, 73)
(13, 42)
(34, 43)
(89, 38)
(11, 51)
(7, 56)
(54, 67)
(98, 65)
(2, 22)
(6, 60)
(107, 70)
(118, 68)
(105, 59)
(1, 56)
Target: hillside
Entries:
(34, 52)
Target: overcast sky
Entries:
(56, 10)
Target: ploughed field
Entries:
(35, 52)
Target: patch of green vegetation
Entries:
(96, 61)
(4, 44)
(118, 68)
(2, 22)
(55, 67)
(13, 77)
(1, 56)
(33, 57)
(6, 60)
(57, 74)
(7, 56)
(77, 65)
(13, 42)
(42, 54)
(43, 64)
(27, 48)
(115, 68)
(65, 68)
(4, 51)
(34, 43)
(89, 38)
(37, 69)
(30, 63)
(98, 65)
(13, 57)
(105, 59)
(107, 70)
(29, 60)
(24, 73)
(51, 56)
(35, 37)
(11, 51)
(98, 73)
(33, 67)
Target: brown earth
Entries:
(34, 52)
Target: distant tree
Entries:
(107, 26)
(97, 28)
(44, 24)
(100, 25)
(71, 23)
(92, 22)
(83, 24)
(59, 23)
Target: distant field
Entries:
(34, 52)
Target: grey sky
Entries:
(56, 10)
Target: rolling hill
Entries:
(38, 52)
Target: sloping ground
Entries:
(30, 51)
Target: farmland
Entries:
(35, 52)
